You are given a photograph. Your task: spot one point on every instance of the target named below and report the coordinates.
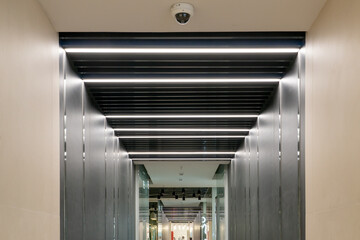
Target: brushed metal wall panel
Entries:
(301, 64)
(123, 195)
(232, 200)
(240, 178)
(233, 231)
(289, 162)
(254, 184)
(94, 173)
(132, 196)
(97, 174)
(197, 227)
(247, 187)
(117, 184)
(269, 172)
(110, 182)
(74, 157)
(166, 229)
(62, 61)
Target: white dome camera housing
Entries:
(182, 12)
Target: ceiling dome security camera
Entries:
(182, 12)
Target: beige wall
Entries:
(29, 123)
(333, 123)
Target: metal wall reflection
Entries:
(96, 173)
(266, 185)
(197, 227)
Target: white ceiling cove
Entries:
(154, 15)
(195, 174)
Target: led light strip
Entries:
(180, 153)
(181, 159)
(178, 116)
(182, 50)
(178, 80)
(180, 130)
(176, 137)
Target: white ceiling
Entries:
(195, 174)
(154, 15)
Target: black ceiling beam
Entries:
(183, 39)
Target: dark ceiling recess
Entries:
(188, 192)
(171, 98)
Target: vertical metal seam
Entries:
(116, 178)
(84, 160)
(119, 160)
(118, 187)
(114, 185)
(105, 177)
(249, 179)
(258, 175)
(280, 161)
(235, 206)
(134, 176)
(65, 152)
(299, 148)
(243, 178)
(116, 190)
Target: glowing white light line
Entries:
(176, 137)
(182, 50)
(177, 80)
(180, 130)
(181, 159)
(180, 153)
(178, 116)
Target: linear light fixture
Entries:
(181, 153)
(185, 80)
(178, 116)
(176, 137)
(182, 50)
(182, 129)
(182, 159)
